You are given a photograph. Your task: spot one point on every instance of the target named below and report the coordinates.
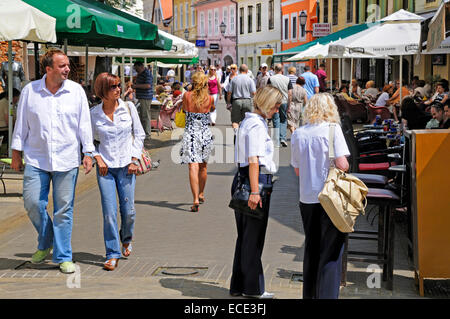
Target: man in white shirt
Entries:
(171, 75)
(52, 120)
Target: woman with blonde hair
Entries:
(324, 243)
(197, 137)
(253, 153)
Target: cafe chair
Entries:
(356, 111)
(386, 201)
(382, 111)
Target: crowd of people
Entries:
(113, 133)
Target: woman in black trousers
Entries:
(254, 153)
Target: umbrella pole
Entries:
(331, 75)
(10, 97)
(65, 46)
(401, 77)
(86, 73)
(340, 71)
(122, 76)
(351, 70)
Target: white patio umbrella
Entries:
(322, 51)
(398, 34)
(20, 21)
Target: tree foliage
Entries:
(126, 5)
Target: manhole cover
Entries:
(437, 288)
(180, 271)
(297, 278)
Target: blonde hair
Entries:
(321, 108)
(370, 84)
(200, 94)
(266, 98)
(292, 70)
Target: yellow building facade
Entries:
(185, 19)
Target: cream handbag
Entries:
(343, 196)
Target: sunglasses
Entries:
(115, 86)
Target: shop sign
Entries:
(266, 51)
(214, 46)
(321, 29)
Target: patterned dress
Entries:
(197, 139)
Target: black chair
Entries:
(385, 200)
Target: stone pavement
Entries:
(177, 254)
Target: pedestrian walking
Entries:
(254, 155)
(197, 137)
(214, 91)
(117, 128)
(312, 85)
(240, 92)
(292, 75)
(284, 84)
(232, 73)
(52, 120)
(263, 77)
(144, 94)
(322, 77)
(324, 243)
(299, 100)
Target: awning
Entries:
(284, 55)
(20, 21)
(438, 27)
(89, 22)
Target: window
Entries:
(202, 23)
(294, 26)
(186, 5)
(271, 14)
(241, 20)
(258, 17)
(335, 12)
(176, 20)
(250, 19)
(225, 19)
(349, 11)
(286, 28)
(325, 11)
(210, 23)
(181, 16)
(216, 22)
(192, 14)
(232, 20)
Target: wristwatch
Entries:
(89, 154)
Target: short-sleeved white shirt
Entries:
(253, 139)
(309, 153)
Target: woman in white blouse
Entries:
(254, 152)
(324, 243)
(117, 128)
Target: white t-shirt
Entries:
(309, 153)
(253, 139)
(382, 99)
(171, 75)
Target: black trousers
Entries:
(248, 276)
(322, 262)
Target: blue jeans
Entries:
(119, 182)
(56, 233)
(280, 121)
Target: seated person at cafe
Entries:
(355, 90)
(412, 116)
(395, 98)
(440, 96)
(420, 92)
(371, 92)
(343, 91)
(383, 99)
(447, 116)
(438, 120)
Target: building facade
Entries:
(161, 14)
(259, 31)
(215, 47)
(185, 19)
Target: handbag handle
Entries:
(331, 155)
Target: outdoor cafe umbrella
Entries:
(89, 22)
(20, 21)
(397, 34)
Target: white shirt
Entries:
(253, 139)
(50, 127)
(309, 153)
(171, 75)
(116, 139)
(382, 99)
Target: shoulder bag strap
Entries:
(132, 124)
(331, 155)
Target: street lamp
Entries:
(303, 17)
(186, 34)
(222, 28)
